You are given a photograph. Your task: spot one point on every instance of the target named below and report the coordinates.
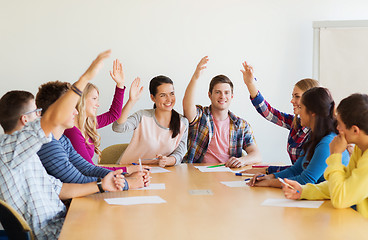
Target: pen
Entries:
(140, 164)
(247, 179)
(219, 165)
(244, 174)
(287, 184)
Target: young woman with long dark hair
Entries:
(316, 112)
(345, 186)
(160, 134)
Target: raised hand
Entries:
(136, 90)
(249, 79)
(338, 144)
(201, 65)
(96, 65)
(117, 73)
(247, 73)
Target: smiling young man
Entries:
(216, 135)
(345, 186)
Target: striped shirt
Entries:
(297, 136)
(202, 129)
(25, 185)
(63, 162)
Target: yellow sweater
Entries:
(345, 186)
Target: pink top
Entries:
(218, 148)
(79, 142)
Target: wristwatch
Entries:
(99, 185)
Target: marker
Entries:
(247, 179)
(287, 184)
(260, 166)
(220, 165)
(244, 174)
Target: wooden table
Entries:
(230, 213)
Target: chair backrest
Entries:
(112, 153)
(13, 223)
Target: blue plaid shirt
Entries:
(201, 131)
(25, 185)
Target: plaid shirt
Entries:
(25, 185)
(201, 131)
(297, 136)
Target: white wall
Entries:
(56, 40)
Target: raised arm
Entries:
(58, 112)
(249, 79)
(188, 100)
(262, 106)
(117, 73)
(135, 93)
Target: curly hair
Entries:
(88, 125)
(49, 92)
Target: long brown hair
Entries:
(304, 85)
(174, 125)
(88, 125)
(319, 101)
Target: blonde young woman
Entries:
(84, 136)
(298, 134)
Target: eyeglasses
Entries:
(37, 111)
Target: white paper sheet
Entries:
(135, 200)
(215, 169)
(291, 203)
(158, 170)
(235, 183)
(154, 186)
